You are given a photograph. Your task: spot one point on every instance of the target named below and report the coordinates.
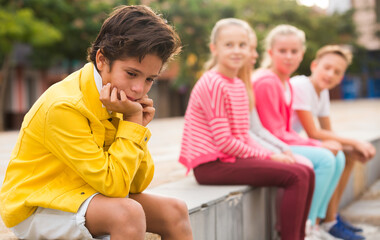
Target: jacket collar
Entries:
(91, 94)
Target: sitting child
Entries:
(311, 99)
(81, 160)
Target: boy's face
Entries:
(328, 71)
(133, 77)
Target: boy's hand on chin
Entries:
(148, 109)
(132, 110)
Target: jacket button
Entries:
(145, 139)
(82, 193)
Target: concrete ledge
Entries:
(217, 212)
(228, 212)
(224, 212)
(362, 177)
(198, 196)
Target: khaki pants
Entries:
(48, 223)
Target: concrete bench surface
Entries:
(198, 196)
(358, 119)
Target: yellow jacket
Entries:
(68, 150)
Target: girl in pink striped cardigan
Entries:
(216, 142)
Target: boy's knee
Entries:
(129, 208)
(177, 218)
(177, 209)
(129, 217)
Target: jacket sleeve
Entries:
(144, 174)
(69, 137)
(215, 109)
(268, 107)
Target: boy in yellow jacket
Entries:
(81, 160)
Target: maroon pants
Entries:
(297, 181)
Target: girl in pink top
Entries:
(216, 142)
(285, 46)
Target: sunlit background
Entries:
(319, 3)
(42, 41)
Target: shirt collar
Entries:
(99, 83)
(98, 80)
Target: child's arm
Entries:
(366, 149)
(215, 107)
(69, 136)
(144, 174)
(325, 133)
(257, 128)
(312, 131)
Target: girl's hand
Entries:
(290, 154)
(366, 149)
(148, 109)
(118, 102)
(280, 157)
(332, 145)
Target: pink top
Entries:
(274, 113)
(217, 123)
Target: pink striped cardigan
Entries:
(217, 123)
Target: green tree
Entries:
(57, 31)
(79, 22)
(193, 20)
(20, 26)
(320, 28)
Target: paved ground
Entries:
(349, 118)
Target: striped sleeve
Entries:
(215, 93)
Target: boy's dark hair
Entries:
(135, 31)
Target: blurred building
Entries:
(367, 20)
(25, 84)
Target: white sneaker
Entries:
(327, 236)
(312, 232)
(308, 227)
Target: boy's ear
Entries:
(313, 65)
(101, 60)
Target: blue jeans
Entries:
(328, 169)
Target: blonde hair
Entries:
(280, 30)
(215, 33)
(244, 72)
(335, 49)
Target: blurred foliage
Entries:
(77, 22)
(194, 20)
(22, 26)
(320, 29)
